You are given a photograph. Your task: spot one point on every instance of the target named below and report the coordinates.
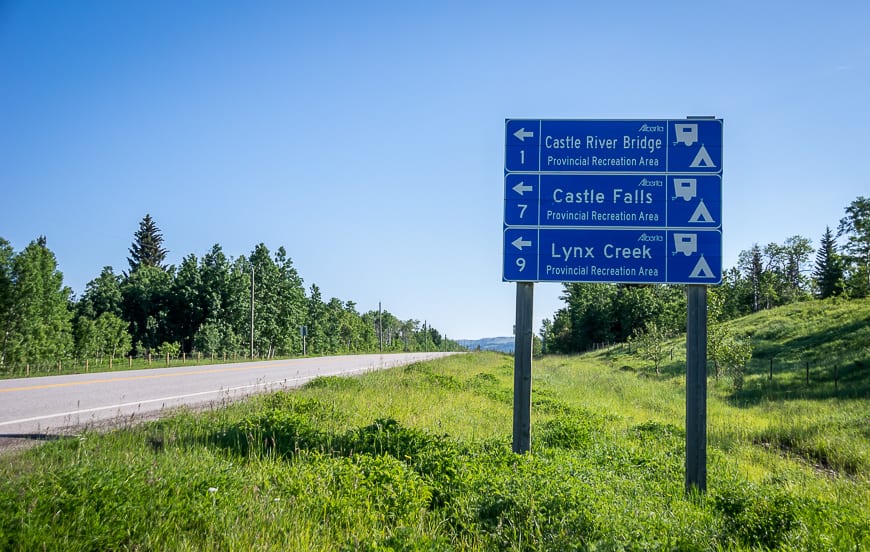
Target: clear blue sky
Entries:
(367, 138)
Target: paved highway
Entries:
(52, 405)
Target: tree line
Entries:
(254, 305)
(765, 277)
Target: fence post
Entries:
(86, 365)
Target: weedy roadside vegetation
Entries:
(418, 458)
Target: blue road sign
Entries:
(626, 201)
(618, 146)
(636, 256)
(613, 200)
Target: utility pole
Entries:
(252, 310)
(380, 329)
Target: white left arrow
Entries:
(522, 134)
(519, 243)
(521, 187)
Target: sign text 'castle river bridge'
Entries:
(613, 201)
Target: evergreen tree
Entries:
(147, 248)
(828, 273)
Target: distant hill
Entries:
(500, 344)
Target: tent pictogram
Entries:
(703, 159)
(702, 269)
(701, 214)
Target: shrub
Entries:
(435, 458)
(534, 504)
(570, 431)
(756, 516)
(332, 382)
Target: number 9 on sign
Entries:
(521, 263)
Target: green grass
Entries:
(418, 458)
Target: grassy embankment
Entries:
(418, 458)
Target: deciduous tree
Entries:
(651, 343)
(146, 306)
(7, 310)
(102, 294)
(855, 226)
(41, 329)
(728, 351)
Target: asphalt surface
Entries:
(36, 409)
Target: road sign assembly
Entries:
(622, 201)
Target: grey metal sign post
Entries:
(523, 368)
(696, 390)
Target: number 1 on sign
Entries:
(522, 157)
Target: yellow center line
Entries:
(133, 378)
